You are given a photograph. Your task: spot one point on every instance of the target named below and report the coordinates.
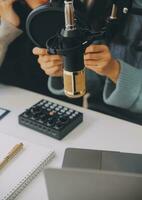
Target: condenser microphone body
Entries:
(74, 69)
(74, 75)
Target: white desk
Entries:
(98, 131)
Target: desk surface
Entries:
(98, 131)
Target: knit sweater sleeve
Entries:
(8, 33)
(127, 93)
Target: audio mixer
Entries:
(51, 119)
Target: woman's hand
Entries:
(99, 59)
(7, 12)
(52, 65)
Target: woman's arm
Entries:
(9, 21)
(123, 87)
(8, 33)
(127, 92)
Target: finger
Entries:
(54, 71)
(58, 73)
(95, 56)
(49, 64)
(50, 58)
(40, 51)
(96, 49)
(94, 69)
(98, 70)
(95, 64)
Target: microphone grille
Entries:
(74, 83)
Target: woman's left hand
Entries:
(99, 59)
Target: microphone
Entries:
(74, 69)
(74, 28)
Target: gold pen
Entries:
(14, 151)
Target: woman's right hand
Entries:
(52, 65)
(7, 12)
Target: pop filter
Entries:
(43, 23)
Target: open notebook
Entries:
(21, 170)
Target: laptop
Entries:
(102, 160)
(110, 177)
